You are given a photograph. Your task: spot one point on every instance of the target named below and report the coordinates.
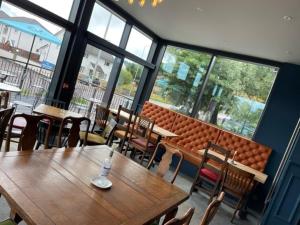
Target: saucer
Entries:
(101, 182)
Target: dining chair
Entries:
(5, 115)
(28, 135)
(72, 137)
(211, 170)
(123, 126)
(101, 117)
(185, 220)
(237, 184)
(164, 164)
(212, 209)
(4, 97)
(140, 135)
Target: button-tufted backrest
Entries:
(248, 153)
(162, 116)
(193, 134)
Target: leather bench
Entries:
(195, 134)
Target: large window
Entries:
(92, 79)
(139, 44)
(59, 7)
(106, 25)
(180, 77)
(127, 84)
(235, 95)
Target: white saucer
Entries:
(101, 182)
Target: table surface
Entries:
(259, 176)
(156, 129)
(8, 87)
(55, 112)
(53, 187)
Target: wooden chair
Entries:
(28, 135)
(72, 138)
(212, 209)
(5, 115)
(123, 126)
(185, 220)
(4, 97)
(211, 170)
(97, 137)
(164, 164)
(140, 136)
(238, 184)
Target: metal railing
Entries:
(34, 82)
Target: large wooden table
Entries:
(156, 129)
(54, 112)
(258, 176)
(53, 187)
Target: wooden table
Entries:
(259, 176)
(55, 112)
(8, 87)
(53, 187)
(156, 129)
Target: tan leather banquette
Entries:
(195, 134)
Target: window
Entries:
(106, 25)
(179, 79)
(138, 44)
(93, 77)
(128, 82)
(235, 95)
(59, 7)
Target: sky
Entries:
(59, 7)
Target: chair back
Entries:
(29, 132)
(5, 115)
(212, 209)
(238, 181)
(216, 164)
(4, 97)
(123, 123)
(185, 220)
(165, 163)
(55, 102)
(101, 117)
(69, 137)
(142, 128)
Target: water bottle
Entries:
(106, 166)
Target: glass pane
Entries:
(24, 38)
(92, 80)
(236, 94)
(179, 79)
(106, 25)
(59, 7)
(138, 44)
(128, 82)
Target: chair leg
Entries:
(125, 153)
(142, 159)
(38, 144)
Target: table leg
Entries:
(15, 216)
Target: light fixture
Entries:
(154, 3)
(287, 18)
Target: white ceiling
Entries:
(250, 27)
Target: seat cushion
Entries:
(19, 123)
(92, 138)
(209, 174)
(7, 222)
(142, 142)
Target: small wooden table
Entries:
(156, 129)
(53, 187)
(259, 176)
(54, 112)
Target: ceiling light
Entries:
(154, 3)
(199, 9)
(287, 18)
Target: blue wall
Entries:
(280, 117)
